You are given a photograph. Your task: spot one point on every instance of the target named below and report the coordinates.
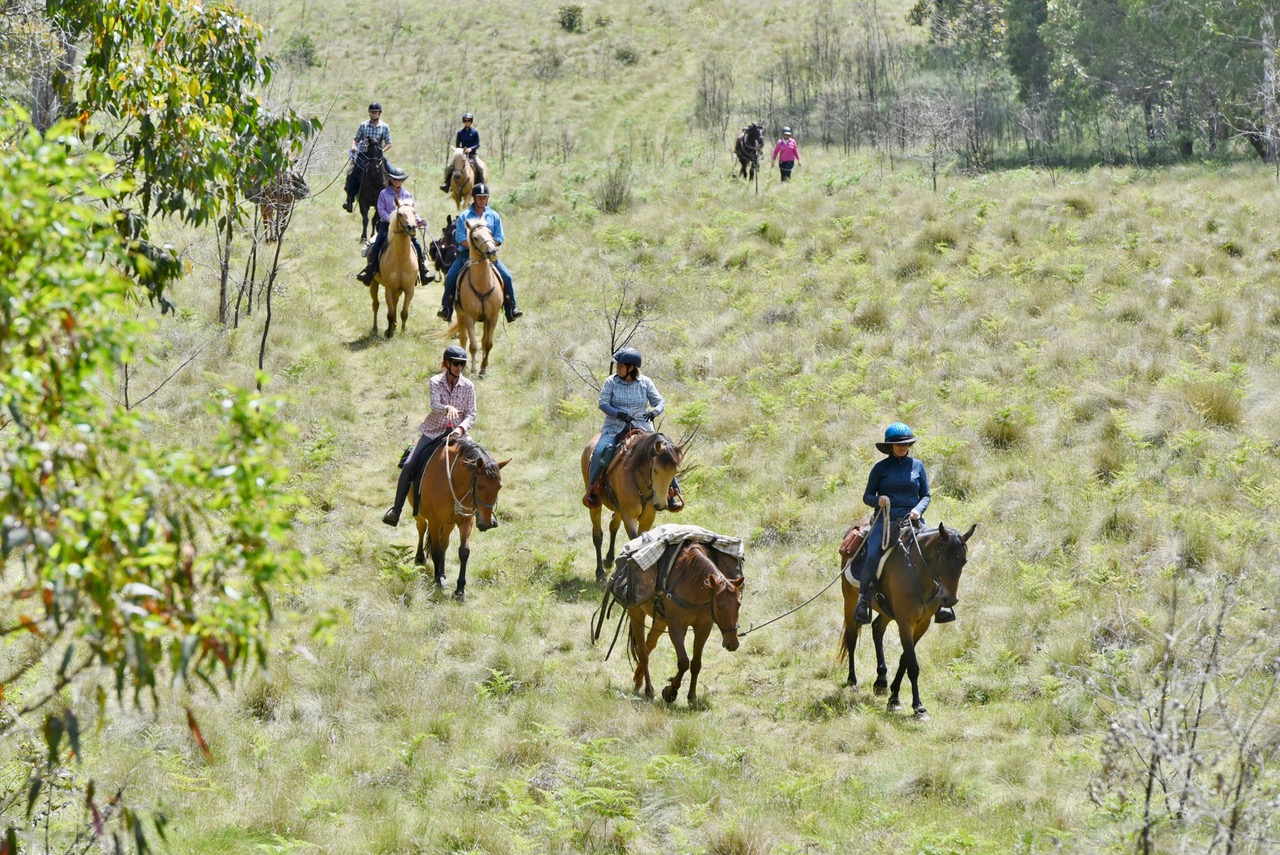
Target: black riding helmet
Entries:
(480, 190)
(628, 356)
(455, 354)
(396, 172)
(467, 117)
(375, 107)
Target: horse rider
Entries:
(629, 400)
(374, 129)
(786, 154)
(467, 139)
(453, 413)
(898, 482)
(479, 210)
(388, 200)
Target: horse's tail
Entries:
(450, 331)
(843, 652)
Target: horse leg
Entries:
(700, 634)
(614, 522)
(404, 309)
(909, 665)
(851, 628)
(487, 343)
(373, 295)
(677, 631)
(642, 651)
(393, 297)
(656, 630)
(882, 670)
(464, 552)
(439, 542)
(421, 559)
(913, 670)
(597, 538)
(472, 344)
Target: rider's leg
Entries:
(411, 472)
(866, 585)
(450, 288)
(423, 273)
(508, 291)
(371, 260)
(600, 459)
(448, 178)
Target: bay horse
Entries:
(636, 486)
(398, 270)
(479, 294)
(921, 574)
(748, 147)
(373, 178)
(462, 177)
(443, 251)
(276, 201)
(459, 488)
(698, 594)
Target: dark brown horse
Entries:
(637, 483)
(703, 589)
(373, 178)
(444, 250)
(748, 147)
(459, 487)
(921, 574)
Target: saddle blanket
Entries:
(640, 568)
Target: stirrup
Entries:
(675, 501)
(862, 612)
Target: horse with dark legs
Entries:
(459, 488)
(748, 147)
(637, 482)
(444, 250)
(479, 295)
(921, 574)
(398, 269)
(373, 179)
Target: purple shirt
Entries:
(389, 200)
(785, 150)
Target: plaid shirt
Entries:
(633, 398)
(366, 131)
(462, 396)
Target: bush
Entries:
(300, 51)
(1006, 427)
(613, 196)
(626, 55)
(570, 18)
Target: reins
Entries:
(458, 508)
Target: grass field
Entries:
(1091, 364)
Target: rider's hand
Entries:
(651, 414)
(884, 501)
(451, 413)
(458, 431)
(915, 516)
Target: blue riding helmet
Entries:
(455, 354)
(896, 434)
(628, 356)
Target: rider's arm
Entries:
(460, 230)
(925, 496)
(871, 496)
(606, 400)
(656, 404)
(439, 399)
(497, 229)
(387, 203)
(469, 410)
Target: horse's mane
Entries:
(644, 447)
(473, 454)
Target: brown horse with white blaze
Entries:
(398, 270)
(459, 488)
(637, 483)
(921, 573)
(479, 294)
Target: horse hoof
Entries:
(669, 695)
(881, 689)
(599, 577)
(894, 705)
(922, 714)
(390, 333)
(460, 596)
(439, 580)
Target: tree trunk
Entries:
(1270, 118)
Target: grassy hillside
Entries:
(1091, 364)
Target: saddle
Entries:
(620, 443)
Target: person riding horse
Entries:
(629, 401)
(391, 198)
(374, 129)
(453, 413)
(467, 139)
(899, 483)
(479, 210)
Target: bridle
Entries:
(458, 508)
(685, 604)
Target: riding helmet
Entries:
(467, 117)
(628, 356)
(396, 172)
(455, 354)
(896, 434)
(786, 130)
(480, 190)
(375, 107)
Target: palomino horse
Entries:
(459, 487)
(443, 251)
(920, 574)
(636, 483)
(276, 201)
(462, 177)
(748, 147)
(479, 294)
(398, 271)
(372, 179)
(698, 594)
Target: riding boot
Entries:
(370, 269)
(423, 273)
(509, 309)
(675, 499)
(944, 615)
(446, 303)
(592, 497)
(448, 179)
(866, 594)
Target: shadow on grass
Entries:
(574, 589)
(364, 342)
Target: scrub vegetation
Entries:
(1091, 358)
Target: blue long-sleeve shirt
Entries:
(490, 217)
(904, 481)
(634, 398)
(468, 139)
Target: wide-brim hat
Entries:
(896, 434)
(396, 172)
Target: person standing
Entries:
(786, 154)
(388, 200)
(453, 413)
(373, 129)
(467, 139)
(479, 210)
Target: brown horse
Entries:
(444, 250)
(276, 201)
(698, 595)
(398, 270)
(479, 294)
(637, 483)
(748, 147)
(462, 177)
(921, 573)
(459, 487)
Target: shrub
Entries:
(300, 52)
(570, 18)
(1006, 427)
(626, 55)
(613, 195)
(1081, 204)
(1215, 400)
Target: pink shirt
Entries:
(785, 150)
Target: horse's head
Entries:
(662, 457)
(486, 481)
(481, 241)
(726, 599)
(458, 160)
(406, 218)
(948, 556)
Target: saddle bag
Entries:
(853, 539)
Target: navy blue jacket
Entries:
(468, 138)
(902, 479)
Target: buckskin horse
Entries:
(748, 147)
(459, 487)
(636, 485)
(373, 179)
(479, 294)
(462, 177)
(921, 573)
(398, 270)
